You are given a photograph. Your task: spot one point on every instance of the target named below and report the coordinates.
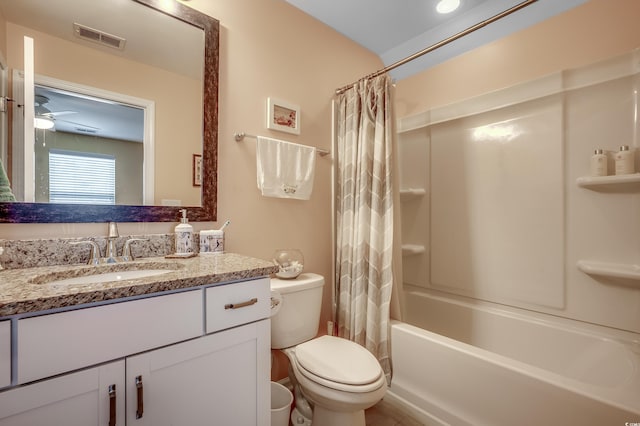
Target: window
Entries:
(81, 178)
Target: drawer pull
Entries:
(241, 305)
(112, 405)
(140, 409)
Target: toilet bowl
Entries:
(338, 377)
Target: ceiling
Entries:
(399, 28)
(178, 47)
(92, 116)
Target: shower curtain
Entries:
(364, 216)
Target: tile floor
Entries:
(386, 414)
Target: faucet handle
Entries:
(113, 230)
(94, 258)
(126, 250)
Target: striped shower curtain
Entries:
(364, 216)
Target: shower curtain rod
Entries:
(441, 43)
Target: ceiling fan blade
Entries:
(58, 113)
(79, 124)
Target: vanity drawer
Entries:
(233, 304)
(5, 353)
(57, 343)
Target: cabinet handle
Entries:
(241, 305)
(140, 409)
(112, 405)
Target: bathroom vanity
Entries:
(185, 347)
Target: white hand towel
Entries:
(285, 169)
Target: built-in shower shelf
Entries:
(412, 249)
(632, 180)
(611, 270)
(411, 193)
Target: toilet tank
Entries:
(298, 316)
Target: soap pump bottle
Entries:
(184, 235)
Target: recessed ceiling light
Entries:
(447, 6)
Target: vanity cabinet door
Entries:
(76, 399)
(220, 379)
(5, 353)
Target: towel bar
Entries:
(240, 136)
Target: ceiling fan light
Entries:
(43, 123)
(447, 6)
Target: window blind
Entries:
(81, 178)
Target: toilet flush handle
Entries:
(276, 302)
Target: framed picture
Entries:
(197, 169)
(283, 116)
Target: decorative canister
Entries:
(212, 242)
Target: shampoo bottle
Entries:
(184, 235)
(624, 161)
(599, 163)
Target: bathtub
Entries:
(462, 362)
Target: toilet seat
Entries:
(339, 364)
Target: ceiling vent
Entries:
(97, 36)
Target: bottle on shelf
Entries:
(624, 161)
(599, 163)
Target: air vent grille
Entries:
(97, 36)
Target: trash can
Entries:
(281, 399)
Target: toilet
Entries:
(337, 376)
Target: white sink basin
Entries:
(110, 276)
(106, 273)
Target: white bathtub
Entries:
(474, 363)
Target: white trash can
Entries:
(281, 399)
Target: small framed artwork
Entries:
(197, 170)
(283, 116)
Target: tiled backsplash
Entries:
(49, 252)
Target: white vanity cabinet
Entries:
(95, 396)
(145, 362)
(5, 353)
(214, 380)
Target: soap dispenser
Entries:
(184, 235)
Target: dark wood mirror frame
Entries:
(76, 213)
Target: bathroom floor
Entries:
(386, 414)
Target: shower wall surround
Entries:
(503, 218)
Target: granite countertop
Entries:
(29, 290)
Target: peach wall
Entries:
(588, 33)
(267, 48)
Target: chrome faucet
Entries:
(110, 255)
(94, 257)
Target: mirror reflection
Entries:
(88, 150)
(96, 64)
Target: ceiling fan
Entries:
(45, 118)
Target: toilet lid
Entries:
(338, 360)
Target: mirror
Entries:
(21, 212)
